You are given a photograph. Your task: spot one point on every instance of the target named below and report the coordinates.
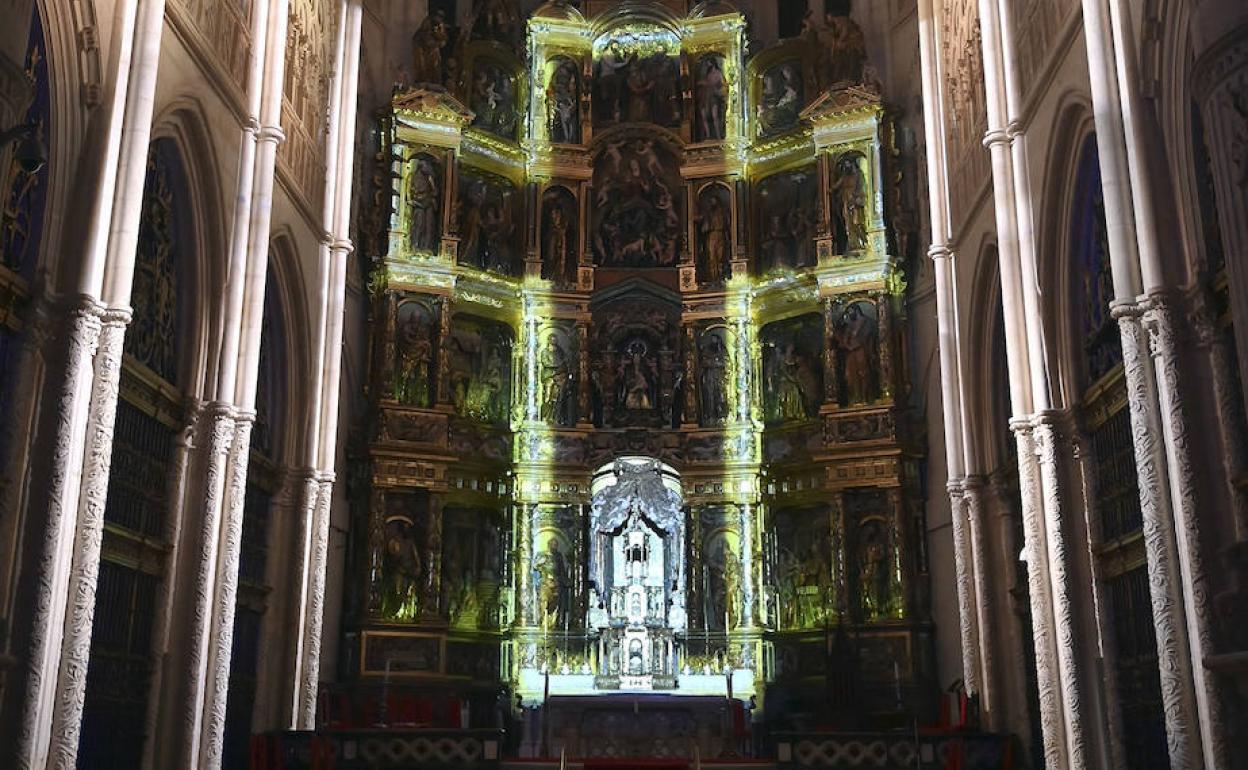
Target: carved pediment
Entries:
(839, 102)
(434, 105)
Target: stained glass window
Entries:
(21, 221)
(1091, 270)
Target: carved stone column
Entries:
(433, 557)
(50, 554)
(583, 407)
(319, 489)
(523, 548)
(445, 396)
(963, 575)
(831, 376)
(989, 637)
(1158, 322)
(691, 416)
(884, 307)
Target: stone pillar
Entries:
(445, 396)
(884, 306)
(691, 416)
(583, 407)
(831, 376)
(70, 503)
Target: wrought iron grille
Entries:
(1138, 675)
(1117, 487)
(138, 497)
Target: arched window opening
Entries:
(1107, 419)
(141, 483)
(263, 481)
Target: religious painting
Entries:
(557, 369)
(849, 202)
(714, 234)
(424, 203)
(639, 209)
(636, 82)
(559, 236)
(406, 560)
(710, 99)
(856, 338)
(792, 368)
(489, 222)
(471, 568)
(803, 569)
(787, 220)
(715, 372)
(782, 98)
(563, 101)
(415, 336)
(480, 369)
(492, 98)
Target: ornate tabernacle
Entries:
(638, 376)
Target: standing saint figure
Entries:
(556, 376)
(790, 395)
(849, 197)
(414, 354)
(711, 101)
(713, 381)
(554, 582)
(422, 198)
(427, 46)
(716, 237)
(557, 243)
(855, 334)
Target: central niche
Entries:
(638, 211)
(637, 574)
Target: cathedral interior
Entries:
(646, 384)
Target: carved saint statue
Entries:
(856, 336)
(850, 201)
(711, 95)
(724, 577)
(427, 46)
(873, 578)
(714, 227)
(402, 568)
(563, 104)
(713, 381)
(789, 388)
(556, 245)
(415, 351)
(423, 199)
(556, 381)
(553, 584)
(633, 381)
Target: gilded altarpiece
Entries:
(638, 379)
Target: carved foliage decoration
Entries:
(480, 369)
(415, 338)
(490, 218)
(21, 220)
(792, 368)
(786, 218)
(162, 251)
(560, 236)
(639, 205)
